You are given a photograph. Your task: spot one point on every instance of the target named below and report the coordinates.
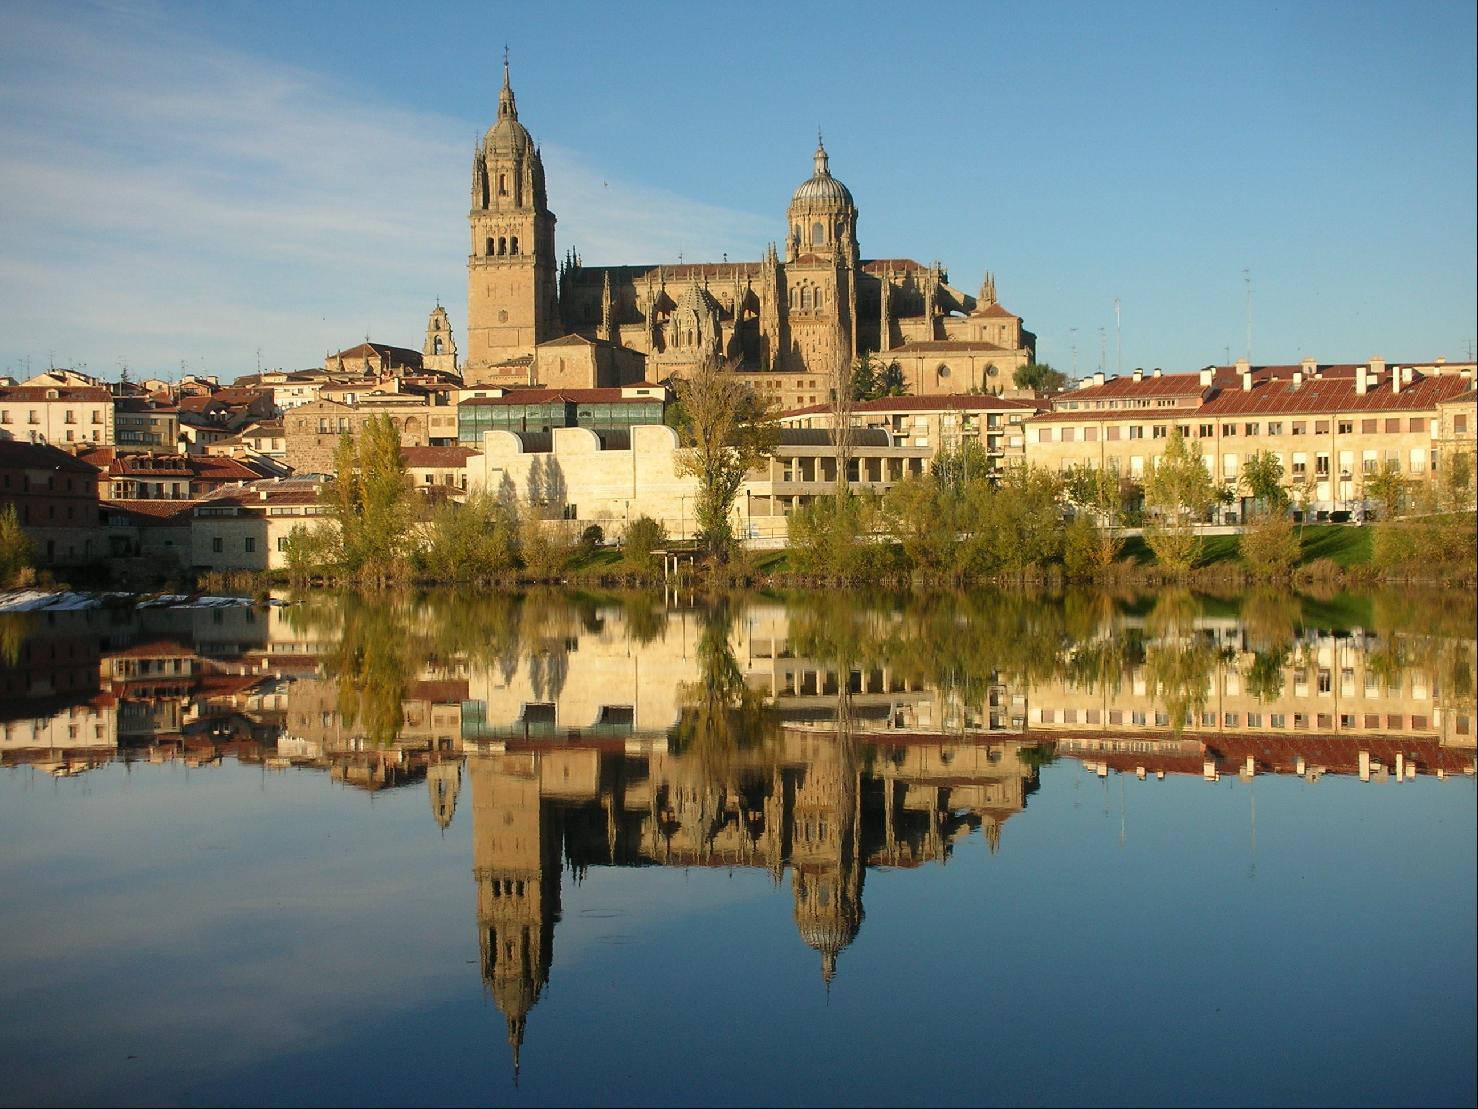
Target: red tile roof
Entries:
(446, 458)
(952, 402)
(996, 309)
(1332, 395)
(537, 395)
(63, 392)
(19, 455)
(153, 513)
(397, 355)
(943, 346)
(1126, 388)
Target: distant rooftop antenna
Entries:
(1118, 340)
(1247, 278)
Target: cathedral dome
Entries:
(821, 186)
(507, 135)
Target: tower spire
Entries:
(507, 108)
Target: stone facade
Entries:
(312, 430)
(798, 313)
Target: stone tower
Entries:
(516, 863)
(440, 350)
(511, 274)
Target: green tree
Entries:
(642, 538)
(1262, 477)
(729, 430)
(837, 536)
(371, 502)
(1098, 497)
(473, 541)
(955, 467)
(872, 379)
(1387, 487)
(1039, 377)
(1178, 492)
(16, 552)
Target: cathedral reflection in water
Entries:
(810, 742)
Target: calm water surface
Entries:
(976, 848)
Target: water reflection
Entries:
(812, 739)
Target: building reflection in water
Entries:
(819, 739)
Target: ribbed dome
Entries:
(696, 298)
(507, 135)
(822, 186)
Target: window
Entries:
(1299, 427)
(1369, 462)
(1160, 431)
(71, 417)
(1300, 465)
(1321, 464)
(1228, 430)
(1393, 426)
(217, 545)
(1418, 460)
(1346, 427)
(1254, 720)
(1460, 424)
(1368, 427)
(1090, 434)
(1279, 720)
(1416, 423)
(1275, 427)
(1206, 431)
(1249, 429)
(251, 545)
(1136, 432)
(1069, 434)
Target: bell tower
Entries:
(511, 274)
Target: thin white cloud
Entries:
(166, 198)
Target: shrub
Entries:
(641, 539)
(1080, 547)
(1270, 546)
(475, 541)
(837, 536)
(545, 547)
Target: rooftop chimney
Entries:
(1408, 375)
(1158, 372)
(1098, 378)
(1298, 380)
(1377, 367)
(1360, 382)
(1207, 375)
(1243, 366)
(1246, 381)
(1138, 375)
(1395, 379)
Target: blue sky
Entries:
(194, 183)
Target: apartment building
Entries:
(1332, 427)
(936, 422)
(56, 414)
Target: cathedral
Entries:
(787, 322)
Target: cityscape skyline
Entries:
(287, 163)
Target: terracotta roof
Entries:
(997, 310)
(41, 456)
(252, 494)
(404, 355)
(1332, 395)
(1126, 388)
(153, 513)
(897, 265)
(537, 395)
(944, 346)
(437, 457)
(64, 392)
(953, 402)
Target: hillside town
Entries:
(202, 475)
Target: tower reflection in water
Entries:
(820, 737)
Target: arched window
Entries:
(820, 297)
(436, 345)
(489, 251)
(502, 184)
(818, 232)
(513, 244)
(805, 296)
(502, 246)
(691, 341)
